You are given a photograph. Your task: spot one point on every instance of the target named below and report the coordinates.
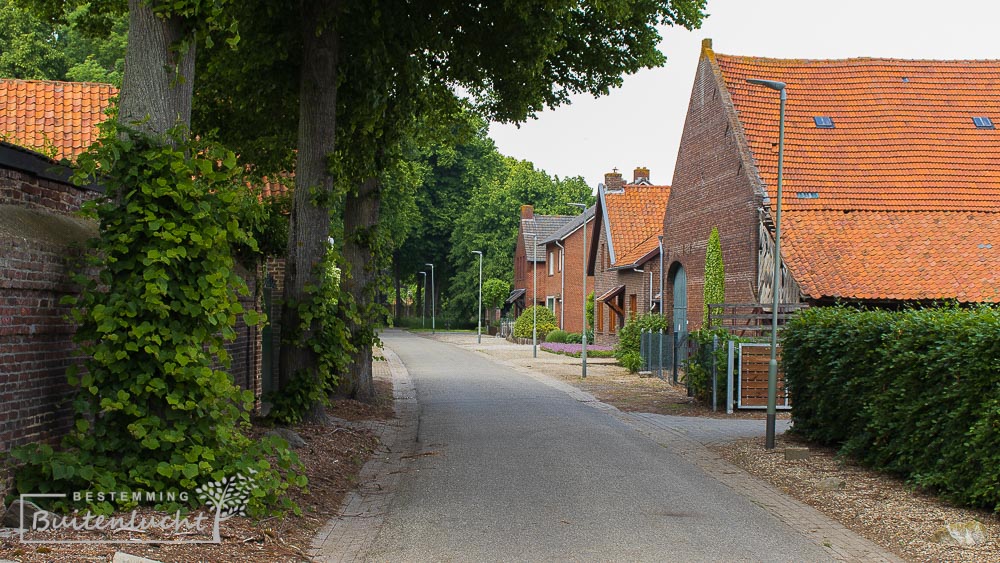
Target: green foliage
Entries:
(495, 292)
(544, 324)
(152, 411)
(590, 313)
(715, 274)
(914, 392)
(629, 337)
(632, 361)
(556, 336)
(698, 368)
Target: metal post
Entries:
(730, 358)
(433, 299)
(583, 338)
(423, 311)
(772, 366)
(534, 297)
(479, 318)
(659, 357)
(715, 380)
(673, 363)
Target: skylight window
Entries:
(823, 122)
(983, 122)
(807, 195)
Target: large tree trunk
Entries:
(361, 213)
(309, 225)
(158, 82)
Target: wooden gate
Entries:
(754, 360)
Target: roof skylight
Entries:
(983, 122)
(823, 122)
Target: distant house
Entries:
(564, 265)
(530, 258)
(891, 186)
(625, 251)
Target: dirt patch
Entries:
(879, 507)
(333, 457)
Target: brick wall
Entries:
(39, 241)
(711, 187)
(569, 309)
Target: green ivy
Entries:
(715, 274)
(152, 411)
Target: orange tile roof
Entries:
(903, 139)
(901, 256)
(894, 201)
(635, 217)
(43, 115)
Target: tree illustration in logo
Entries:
(229, 497)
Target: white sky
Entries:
(640, 124)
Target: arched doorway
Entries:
(678, 282)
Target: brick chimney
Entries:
(641, 173)
(527, 212)
(613, 181)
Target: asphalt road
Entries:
(509, 469)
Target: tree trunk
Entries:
(158, 82)
(361, 213)
(309, 224)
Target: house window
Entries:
(550, 303)
(551, 263)
(599, 317)
(633, 310)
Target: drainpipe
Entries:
(641, 271)
(562, 287)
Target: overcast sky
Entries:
(640, 124)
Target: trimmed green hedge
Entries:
(546, 323)
(915, 393)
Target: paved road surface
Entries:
(511, 469)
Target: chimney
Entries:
(641, 174)
(527, 212)
(613, 181)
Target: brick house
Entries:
(563, 281)
(530, 258)
(891, 191)
(624, 253)
(40, 236)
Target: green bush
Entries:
(556, 336)
(698, 368)
(629, 335)
(915, 393)
(574, 338)
(546, 322)
(631, 361)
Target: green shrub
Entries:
(715, 274)
(629, 335)
(698, 368)
(574, 338)
(546, 322)
(631, 361)
(556, 336)
(915, 393)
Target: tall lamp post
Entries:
(423, 310)
(534, 298)
(583, 335)
(433, 299)
(772, 366)
(479, 322)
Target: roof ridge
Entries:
(849, 59)
(37, 81)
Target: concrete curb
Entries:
(350, 535)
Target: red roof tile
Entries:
(901, 198)
(45, 115)
(886, 255)
(635, 218)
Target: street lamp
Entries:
(772, 366)
(534, 298)
(583, 336)
(433, 299)
(423, 311)
(479, 321)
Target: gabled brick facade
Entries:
(530, 260)
(564, 272)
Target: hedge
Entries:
(627, 349)
(545, 323)
(914, 392)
